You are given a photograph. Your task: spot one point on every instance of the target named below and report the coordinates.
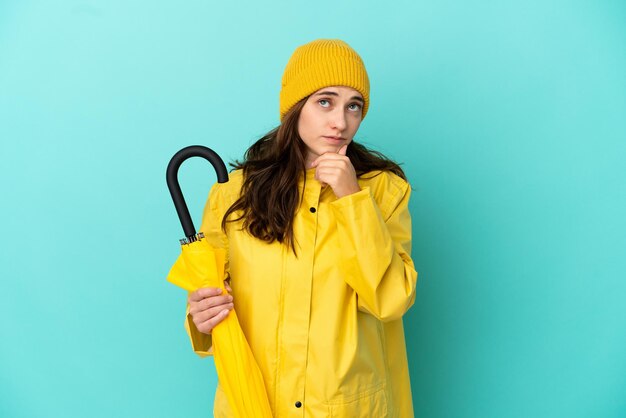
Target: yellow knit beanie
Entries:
(322, 63)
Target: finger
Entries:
(329, 156)
(207, 314)
(214, 301)
(317, 160)
(338, 164)
(200, 317)
(331, 161)
(208, 325)
(204, 292)
(317, 177)
(328, 166)
(343, 150)
(323, 172)
(209, 302)
(227, 286)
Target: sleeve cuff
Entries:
(201, 343)
(353, 198)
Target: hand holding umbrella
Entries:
(201, 265)
(209, 306)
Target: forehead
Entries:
(340, 90)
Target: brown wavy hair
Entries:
(272, 167)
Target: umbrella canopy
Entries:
(201, 265)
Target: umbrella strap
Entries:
(192, 238)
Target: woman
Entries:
(318, 235)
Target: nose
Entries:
(338, 119)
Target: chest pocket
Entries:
(372, 403)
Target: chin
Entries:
(331, 150)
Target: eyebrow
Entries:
(332, 93)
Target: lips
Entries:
(333, 139)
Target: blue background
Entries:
(509, 117)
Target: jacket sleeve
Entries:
(211, 226)
(376, 250)
(201, 343)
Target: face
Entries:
(329, 119)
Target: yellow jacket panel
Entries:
(326, 326)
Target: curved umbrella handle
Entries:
(174, 186)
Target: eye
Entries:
(355, 107)
(324, 102)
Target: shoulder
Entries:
(235, 180)
(387, 188)
(223, 195)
